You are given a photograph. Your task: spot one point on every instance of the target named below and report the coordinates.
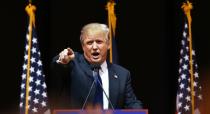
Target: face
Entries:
(95, 48)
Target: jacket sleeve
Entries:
(58, 83)
(131, 102)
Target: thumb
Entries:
(70, 51)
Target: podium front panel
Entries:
(124, 111)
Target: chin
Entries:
(96, 61)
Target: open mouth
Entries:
(95, 54)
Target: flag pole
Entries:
(187, 7)
(30, 9)
(112, 25)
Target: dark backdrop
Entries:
(148, 36)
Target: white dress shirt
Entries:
(104, 74)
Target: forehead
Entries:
(94, 37)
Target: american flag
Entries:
(184, 105)
(37, 98)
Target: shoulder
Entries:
(79, 60)
(119, 69)
(78, 56)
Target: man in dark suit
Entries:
(74, 82)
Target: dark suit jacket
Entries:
(69, 85)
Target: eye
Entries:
(89, 42)
(99, 41)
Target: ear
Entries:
(83, 46)
(109, 44)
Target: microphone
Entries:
(105, 94)
(95, 68)
(91, 88)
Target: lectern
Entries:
(124, 111)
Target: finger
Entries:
(70, 51)
(63, 54)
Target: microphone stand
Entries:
(91, 88)
(106, 95)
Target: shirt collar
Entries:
(103, 66)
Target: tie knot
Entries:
(95, 67)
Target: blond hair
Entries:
(94, 29)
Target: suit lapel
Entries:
(113, 79)
(113, 85)
(85, 66)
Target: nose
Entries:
(95, 46)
